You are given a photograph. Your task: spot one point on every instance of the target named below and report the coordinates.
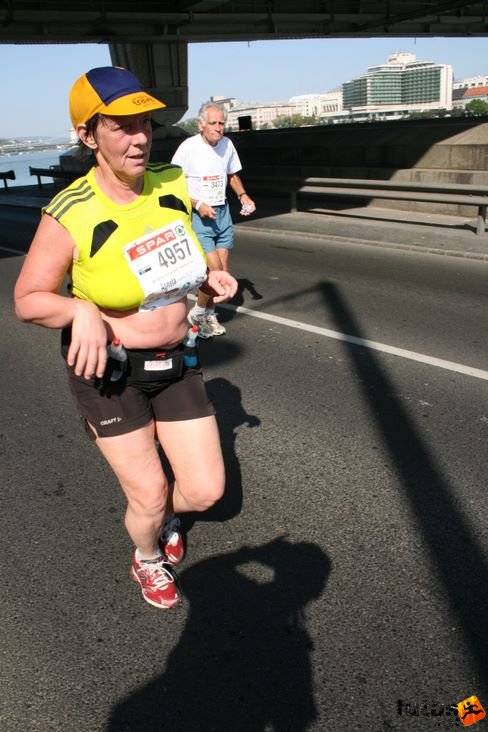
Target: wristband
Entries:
(207, 289)
(241, 194)
(197, 207)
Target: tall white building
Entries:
(397, 88)
(392, 90)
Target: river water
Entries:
(20, 164)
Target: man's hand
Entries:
(206, 211)
(248, 205)
(220, 285)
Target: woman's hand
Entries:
(221, 285)
(88, 349)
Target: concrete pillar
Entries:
(163, 70)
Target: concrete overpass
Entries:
(150, 36)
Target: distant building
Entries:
(474, 81)
(332, 102)
(387, 91)
(462, 96)
(457, 98)
(397, 88)
(227, 103)
(317, 105)
(265, 114)
(308, 105)
(262, 115)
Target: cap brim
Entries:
(132, 104)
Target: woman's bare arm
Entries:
(37, 298)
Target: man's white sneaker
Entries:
(204, 329)
(214, 325)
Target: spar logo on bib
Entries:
(152, 242)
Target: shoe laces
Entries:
(212, 319)
(156, 571)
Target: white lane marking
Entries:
(412, 355)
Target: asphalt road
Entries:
(341, 584)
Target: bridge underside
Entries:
(150, 37)
(163, 71)
(159, 21)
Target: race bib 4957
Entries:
(167, 264)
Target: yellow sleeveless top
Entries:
(102, 230)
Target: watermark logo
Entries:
(459, 714)
(445, 715)
(470, 711)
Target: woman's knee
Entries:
(202, 494)
(148, 500)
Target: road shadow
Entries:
(456, 556)
(230, 415)
(218, 351)
(243, 661)
(243, 285)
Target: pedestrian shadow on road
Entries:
(243, 661)
(231, 415)
(218, 351)
(227, 313)
(456, 555)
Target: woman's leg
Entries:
(194, 452)
(135, 461)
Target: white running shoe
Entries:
(214, 325)
(204, 329)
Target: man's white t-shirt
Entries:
(206, 167)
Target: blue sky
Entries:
(37, 79)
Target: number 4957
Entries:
(171, 253)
